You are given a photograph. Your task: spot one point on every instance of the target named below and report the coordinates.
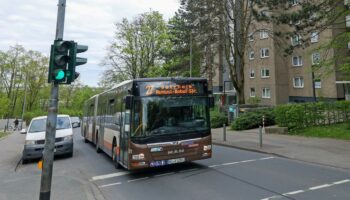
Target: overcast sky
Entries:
(32, 24)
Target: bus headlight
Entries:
(206, 147)
(140, 156)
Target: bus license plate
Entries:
(176, 160)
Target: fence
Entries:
(312, 114)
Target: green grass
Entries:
(2, 134)
(335, 131)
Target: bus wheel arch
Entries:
(114, 154)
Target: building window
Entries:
(265, 53)
(252, 92)
(252, 73)
(318, 84)
(297, 61)
(251, 55)
(296, 40)
(264, 34)
(298, 82)
(251, 37)
(265, 73)
(266, 93)
(316, 58)
(294, 2)
(314, 37)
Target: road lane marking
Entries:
(164, 174)
(307, 190)
(319, 187)
(108, 185)
(294, 192)
(106, 176)
(239, 162)
(341, 182)
(138, 179)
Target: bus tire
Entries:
(114, 157)
(98, 149)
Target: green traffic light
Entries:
(59, 75)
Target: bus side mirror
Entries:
(128, 102)
(211, 102)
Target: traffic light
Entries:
(75, 61)
(59, 60)
(63, 60)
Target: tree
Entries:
(138, 48)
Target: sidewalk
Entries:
(316, 150)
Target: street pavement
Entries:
(323, 151)
(231, 174)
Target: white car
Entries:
(35, 138)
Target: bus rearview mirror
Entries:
(128, 102)
(211, 102)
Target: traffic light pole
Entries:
(48, 154)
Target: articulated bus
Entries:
(151, 122)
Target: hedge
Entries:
(253, 119)
(296, 116)
(217, 119)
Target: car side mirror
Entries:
(23, 131)
(75, 124)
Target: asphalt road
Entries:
(230, 174)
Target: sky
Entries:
(32, 24)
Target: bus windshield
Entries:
(169, 115)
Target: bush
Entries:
(217, 119)
(297, 116)
(28, 116)
(253, 119)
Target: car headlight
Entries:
(70, 137)
(30, 142)
(140, 156)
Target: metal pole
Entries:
(260, 137)
(24, 101)
(224, 132)
(191, 54)
(48, 154)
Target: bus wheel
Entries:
(114, 157)
(98, 150)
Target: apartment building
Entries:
(274, 77)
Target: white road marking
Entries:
(319, 187)
(165, 174)
(106, 176)
(294, 192)
(307, 190)
(239, 162)
(108, 185)
(341, 182)
(138, 179)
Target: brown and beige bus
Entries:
(151, 122)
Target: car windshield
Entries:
(164, 116)
(39, 125)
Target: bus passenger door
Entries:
(124, 138)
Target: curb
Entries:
(279, 155)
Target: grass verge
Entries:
(335, 131)
(2, 134)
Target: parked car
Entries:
(35, 138)
(75, 121)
